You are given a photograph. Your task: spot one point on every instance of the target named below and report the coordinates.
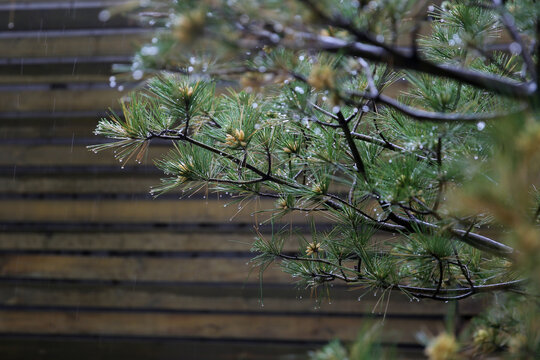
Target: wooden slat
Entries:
(135, 269)
(115, 348)
(124, 183)
(128, 241)
(44, 155)
(269, 300)
(185, 211)
(21, 4)
(61, 78)
(206, 325)
(191, 241)
(74, 15)
(48, 128)
(94, 42)
(60, 100)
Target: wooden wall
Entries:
(91, 267)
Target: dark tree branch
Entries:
(360, 167)
(419, 114)
(402, 58)
(510, 24)
(407, 58)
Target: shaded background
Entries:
(91, 267)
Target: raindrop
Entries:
(515, 48)
(149, 50)
(480, 125)
(299, 90)
(11, 25)
(365, 108)
(137, 74)
(104, 15)
(336, 109)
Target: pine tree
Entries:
(312, 122)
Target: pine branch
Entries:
(405, 58)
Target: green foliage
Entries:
(366, 346)
(342, 111)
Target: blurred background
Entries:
(92, 267)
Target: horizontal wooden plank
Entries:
(56, 43)
(63, 76)
(270, 300)
(62, 4)
(74, 15)
(44, 155)
(147, 242)
(215, 326)
(135, 269)
(60, 100)
(48, 128)
(133, 241)
(114, 348)
(63, 70)
(123, 183)
(47, 115)
(185, 211)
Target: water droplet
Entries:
(104, 15)
(149, 50)
(515, 48)
(480, 125)
(137, 74)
